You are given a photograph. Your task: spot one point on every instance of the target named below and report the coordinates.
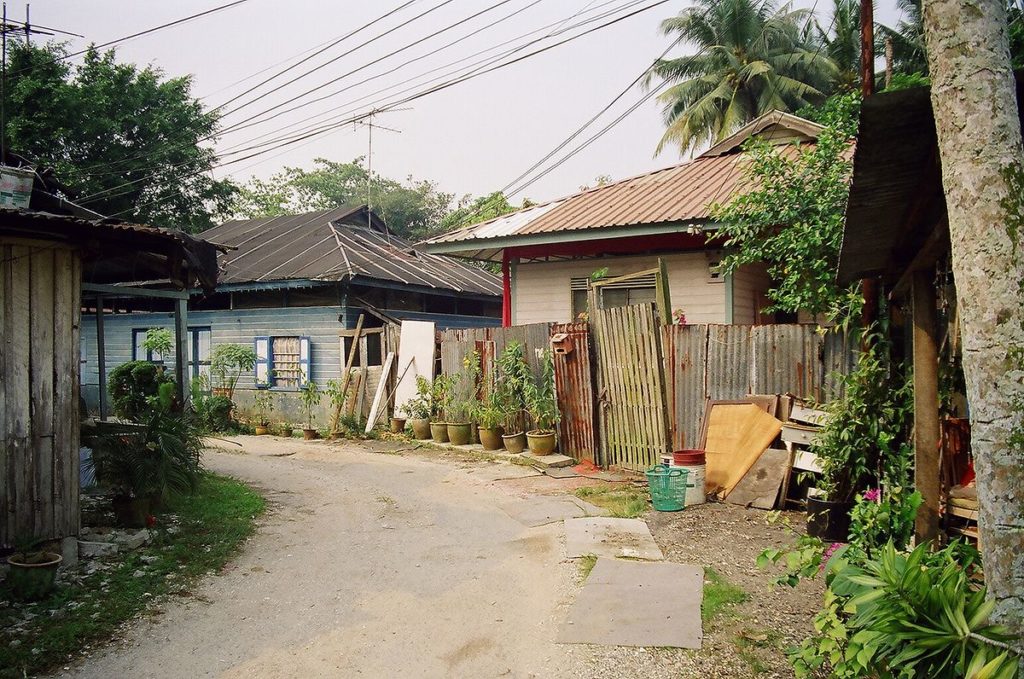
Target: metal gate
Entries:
(631, 392)
(575, 388)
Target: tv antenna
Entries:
(368, 122)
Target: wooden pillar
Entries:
(926, 407)
(101, 358)
(181, 340)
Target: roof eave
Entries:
(490, 249)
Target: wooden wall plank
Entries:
(6, 460)
(41, 363)
(66, 310)
(17, 317)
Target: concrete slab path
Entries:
(611, 538)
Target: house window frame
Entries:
(580, 283)
(194, 366)
(265, 363)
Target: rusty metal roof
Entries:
(116, 251)
(335, 245)
(678, 195)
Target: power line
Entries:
(405, 100)
(329, 46)
(360, 68)
(344, 116)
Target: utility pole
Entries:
(868, 286)
(977, 126)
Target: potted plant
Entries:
(463, 400)
(287, 429)
(149, 460)
(543, 409)
(310, 396)
(418, 409)
(227, 363)
(490, 416)
(32, 571)
(866, 429)
(440, 404)
(515, 376)
(397, 425)
(336, 397)
(263, 405)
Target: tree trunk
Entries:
(974, 98)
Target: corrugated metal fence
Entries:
(730, 361)
(700, 362)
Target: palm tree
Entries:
(752, 58)
(908, 53)
(841, 42)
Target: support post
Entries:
(101, 358)
(926, 407)
(181, 339)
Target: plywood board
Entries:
(759, 487)
(737, 434)
(765, 403)
(416, 343)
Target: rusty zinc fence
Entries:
(730, 361)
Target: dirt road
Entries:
(367, 565)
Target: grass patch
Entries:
(587, 563)
(719, 596)
(747, 644)
(622, 501)
(212, 524)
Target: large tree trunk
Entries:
(979, 136)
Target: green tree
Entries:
(413, 209)
(752, 58)
(128, 142)
(791, 216)
(841, 43)
(473, 211)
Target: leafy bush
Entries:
(516, 376)
(159, 341)
(132, 384)
(157, 457)
(310, 396)
(419, 406)
(904, 616)
(213, 413)
(540, 396)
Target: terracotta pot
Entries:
(287, 432)
(131, 512)
(460, 433)
(490, 437)
(262, 430)
(420, 428)
(828, 520)
(514, 443)
(32, 581)
(310, 434)
(397, 425)
(439, 431)
(541, 443)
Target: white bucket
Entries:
(695, 494)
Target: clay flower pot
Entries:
(439, 431)
(460, 433)
(490, 437)
(397, 425)
(514, 443)
(420, 428)
(541, 442)
(32, 574)
(262, 430)
(310, 434)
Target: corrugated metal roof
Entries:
(334, 245)
(679, 194)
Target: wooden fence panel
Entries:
(632, 413)
(574, 387)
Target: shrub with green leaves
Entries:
(132, 384)
(902, 616)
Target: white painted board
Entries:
(382, 384)
(416, 343)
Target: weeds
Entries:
(622, 501)
(586, 564)
(212, 524)
(719, 596)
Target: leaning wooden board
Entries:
(737, 435)
(759, 487)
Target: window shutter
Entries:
(262, 348)
(305, 354)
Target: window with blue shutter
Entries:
(263, 363)
(305, 364)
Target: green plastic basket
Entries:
(668, 487)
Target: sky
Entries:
(472, 138)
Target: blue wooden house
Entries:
(291, 287)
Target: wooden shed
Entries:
(45, 262)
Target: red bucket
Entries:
(688, 458)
